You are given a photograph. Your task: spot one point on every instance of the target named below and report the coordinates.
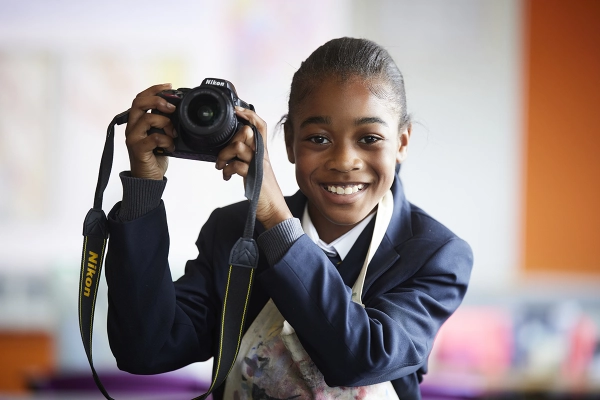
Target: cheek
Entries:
(385, 167)
(303, 171)
(306, 166)
(305, 158)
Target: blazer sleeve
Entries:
(391, 337)
(154, 324)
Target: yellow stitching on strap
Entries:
(222, 328)
(80, 282)
(100, 262)
(237, 349)
(83, 261)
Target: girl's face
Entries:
(345, 144)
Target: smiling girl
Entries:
(353, 281)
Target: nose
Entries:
(343, 158)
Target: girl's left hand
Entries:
(235, 159)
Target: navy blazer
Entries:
(415, 281)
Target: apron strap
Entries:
(385, 209)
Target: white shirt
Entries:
(340, 246)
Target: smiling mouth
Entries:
(344, 189)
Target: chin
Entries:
(344, 220)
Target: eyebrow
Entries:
(369, 120)
(326, 120)
(315, 120)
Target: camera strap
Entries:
(243, 260)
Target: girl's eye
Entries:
(370, 139)
(319, 139)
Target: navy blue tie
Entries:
(335, 260)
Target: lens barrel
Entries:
(207, 117)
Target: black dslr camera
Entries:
(205, 119)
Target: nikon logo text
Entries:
(91, 271)
(213, 82)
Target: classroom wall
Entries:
(68, 67)
(462, 64)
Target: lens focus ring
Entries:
(207, 117)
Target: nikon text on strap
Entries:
(243, 260)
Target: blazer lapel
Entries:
(296, 204)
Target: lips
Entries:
(344, 190)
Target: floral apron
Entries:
(273, 365)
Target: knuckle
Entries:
(237, 167)
(145, 121)
(240, 166)
(155, 120)
(157, 138)
(248, 131)
(238, 146)
(136, 101)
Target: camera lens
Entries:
(206, 114)
(204, 110)
(207, 118)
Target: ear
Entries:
(289, 141)
(403, 140)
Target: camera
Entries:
(205, 119)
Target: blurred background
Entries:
(504, 95)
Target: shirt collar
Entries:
(340, 246)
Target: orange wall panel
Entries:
(562, 186)
(24, 355)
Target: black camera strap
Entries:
(243, 260)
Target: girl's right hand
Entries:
(140, 145)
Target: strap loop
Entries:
(244, 253)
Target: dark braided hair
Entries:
(347, 58)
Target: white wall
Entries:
(462, 65)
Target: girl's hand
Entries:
(235, 159)
(140, 145)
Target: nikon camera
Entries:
(205, 119)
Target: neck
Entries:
(328, 230)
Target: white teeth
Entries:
(341, 190)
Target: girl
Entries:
(362, 325)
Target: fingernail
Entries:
(238, 108)
(175, 133)
(170, 105)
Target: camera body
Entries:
(204, 120)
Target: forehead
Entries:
(346, 99)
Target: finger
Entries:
(140, 129)
(235, 167)
(254, 119)
(241, 147)
(148, 100)
(142, 104)
(153, 90)
(147, 121)
(143, 148)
